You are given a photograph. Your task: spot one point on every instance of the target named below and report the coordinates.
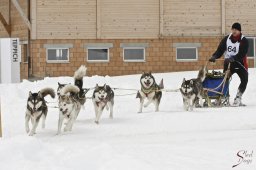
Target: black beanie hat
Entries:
(236, 26)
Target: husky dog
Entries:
(78, 78)
(103, 96)
(69, 106)
(37, 108)
(150, 90)
(192, 90)
(60, 86)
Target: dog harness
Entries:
(154, 88)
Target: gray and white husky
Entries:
(36, 109)
(69, 106)
(103, 96)
(192, 90)
(150, 90)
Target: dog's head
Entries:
(60, 86)
(65, 103)
(35, 101)
(187, 86)
(100, 92)
(147, 80)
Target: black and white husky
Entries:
(69, 106)
(103, 96)
(36, 109)
(78, 81)
(192, 90)
(149, 90)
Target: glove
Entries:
(212, 59)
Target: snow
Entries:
(207, 138)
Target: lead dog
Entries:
(69, 106)
(36, 109)
(103, 96)
(149, 90)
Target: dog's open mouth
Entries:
(147, 83)
(101, 98)
(64, 111)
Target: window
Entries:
(187, 51)
(57, 53)
(98, 54)
(134, 54)
(252, 47)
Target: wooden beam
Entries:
(33, 9)
(161, 18)
(223, 17)
(98, 23)
(5, 24)
(23, 16)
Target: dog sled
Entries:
(216, 88)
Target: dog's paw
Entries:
(145, 105)
(31, 134)
(139, 112)
(111, 117)
(27, 130)
(97, 122)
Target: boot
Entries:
(238, 99)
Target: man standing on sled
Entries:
(235, 46)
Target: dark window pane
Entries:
(98, 54)
(57, 54)
(186, 53)
(133, 54)
(251, 49)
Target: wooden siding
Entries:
(66, 19)
(243, 11)
(4, 9)
(192, 18)
(129, 19)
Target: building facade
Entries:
(118, 37)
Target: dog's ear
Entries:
(39, 94)
(150, 73)
(105, 86)
(30, 93)
(183, 80)
(97, 86)
(58, 83)
(191, 81)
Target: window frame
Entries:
(254, 51)
(57, 61)
(186, 60)
(133, 60)
(97, 61)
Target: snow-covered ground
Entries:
(205, 139)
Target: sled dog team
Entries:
(72, 97)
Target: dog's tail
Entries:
(47, 91)
(202, 73)
(69, 89)
(78, 76)
(161, 84)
